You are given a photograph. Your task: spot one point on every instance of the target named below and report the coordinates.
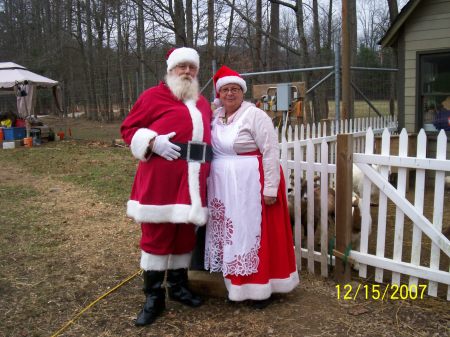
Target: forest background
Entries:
(106, 52)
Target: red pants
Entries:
(167, 238)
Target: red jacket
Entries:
(167, 191)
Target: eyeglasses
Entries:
(184, 66)
(234, 90)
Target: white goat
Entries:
(358, 183)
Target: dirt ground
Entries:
(79, 247)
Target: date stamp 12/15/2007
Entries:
(379, 292)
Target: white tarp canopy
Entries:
(19, 80)
(12, 74)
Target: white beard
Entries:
(183, 87)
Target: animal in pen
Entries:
(331, 203)
(358, 183)
(331, 196)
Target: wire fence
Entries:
(374, 93)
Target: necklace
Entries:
(224, 119)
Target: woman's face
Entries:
(231, 96)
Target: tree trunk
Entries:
(179, 23)
(274, 51)
(190, 24)
(229, 34)
(320, 101)
(257, 64)
(91, 71)
(86, 89)
(304, 54)
(120, 61)
(211, 54)
(141, 44)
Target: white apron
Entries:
(233, 231)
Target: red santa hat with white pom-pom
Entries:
(176, 56)
(226, 76)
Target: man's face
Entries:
(185, 70)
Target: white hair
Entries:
(184, 87)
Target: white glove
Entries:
(166, 149)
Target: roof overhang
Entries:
(391, 35)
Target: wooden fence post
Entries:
(344, 178)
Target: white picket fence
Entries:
(328, 131)
(309, 152)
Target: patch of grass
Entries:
(107, 170)
(362, 109)
(21, 222)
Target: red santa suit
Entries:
(167, 193)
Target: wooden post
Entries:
(344, 177)
(345, 59)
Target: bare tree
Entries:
(393, 9)
(140, 32)
(189, 24)
(229, 34)
(211, 39)
(179, 22)
(275, 32)
(120, 51)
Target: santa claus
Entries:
(168, 130)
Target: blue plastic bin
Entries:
(14, 133)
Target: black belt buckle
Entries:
(196, 152)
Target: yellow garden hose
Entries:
(65, 326)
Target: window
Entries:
(434, 91)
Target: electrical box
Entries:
(284, 97)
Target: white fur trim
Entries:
(175, 213)
(195, 214)
(231, 79)
(197, 121)
(154, 262)
(139, 142)
(217, 103)
(177, 261)
(253, 291)
(181, 55)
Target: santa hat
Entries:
(226, 76)
(176, 56)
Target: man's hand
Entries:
(165, 148)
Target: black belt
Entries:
(195, 151)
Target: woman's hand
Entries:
(269, 200)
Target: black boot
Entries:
(177, 282)
(260, 304)
(155, 302)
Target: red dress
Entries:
(277, 271)
(249, 242)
